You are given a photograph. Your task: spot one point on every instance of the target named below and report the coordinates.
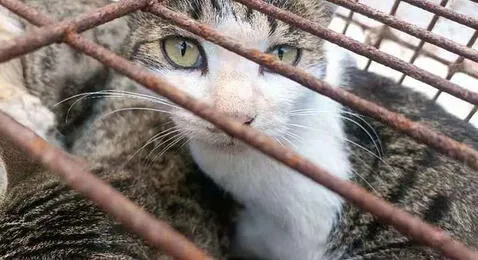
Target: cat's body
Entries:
(295, 215)
(410, 175)
(41, 218)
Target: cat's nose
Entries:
(245, 119)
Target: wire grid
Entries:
(158, 233)
(453, 66)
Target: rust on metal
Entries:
(384, 211)
(411, 29)
(74, 173)
(364, 50)
(417, 131)
(55, 33)
(383, 32)
(458, 65)
(390, 36)
(418, 49)
(445, 12)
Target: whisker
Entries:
(133, 109)
(179, 137)
(119, 93)
(176, 133)
(378, 146)
(353, 143)
(152, 140)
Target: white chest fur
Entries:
(286, 216)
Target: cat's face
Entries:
(228, 82)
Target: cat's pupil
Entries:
(280, 53)
(183, 47)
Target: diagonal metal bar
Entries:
(385, 212)
(157, 233)
(364, 50)
(453, 68)
(55, 33)
(382, 210)
(417, 131)
(418, 49)
(383, 31)
(446, 12)
(411, 29)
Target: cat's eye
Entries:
(183, 53)
(287, 54)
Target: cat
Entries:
(40, 217)
(409, 174)
(285, 215)
(341, 234)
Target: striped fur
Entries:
(415, 177)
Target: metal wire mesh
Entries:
(157, 233)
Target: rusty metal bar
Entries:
(348, 21)
(51, 34)
(419, 132)
(418, 49)
(383, 31)
(455, 66)
(156, 232)
(385, 212)
(390, 36)
(445, 12)
(367, 51)
(47, 35)
(411, 29)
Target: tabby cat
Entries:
(393, 166)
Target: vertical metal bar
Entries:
(418, 49)
(459, 60)
(393, 11)
(471, 114)
(348, 20)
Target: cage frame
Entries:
(158, 233)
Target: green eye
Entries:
(183, 53)
(287, 54)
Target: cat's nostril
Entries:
(249, 120)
